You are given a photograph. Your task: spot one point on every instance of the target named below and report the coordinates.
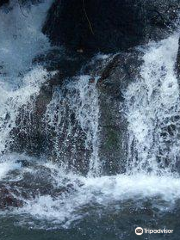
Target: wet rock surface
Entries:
(36, 180)
(8, 198)
(122, 70)
(109, 26)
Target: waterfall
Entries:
(74, 112)
(67, 181)
(152, 109)
(21, 40)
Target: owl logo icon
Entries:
(138, 231)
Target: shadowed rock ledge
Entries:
(109, 26)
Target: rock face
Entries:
(37, 181)
(115, 73)
(109, 26)
(122, 70)
(51, 123)
(8, 199)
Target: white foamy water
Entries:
(103, 192)
(87, 112)
(78, 98)
(152, 108)
(21, 40)
(13, 100)
(21, 37)
(7, 166)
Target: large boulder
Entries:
(31, 181)
(116, 73)
(109, 26)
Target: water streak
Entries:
(21, 40)
(152, 108)
(74, 115)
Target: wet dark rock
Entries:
(8, 198)
(38, 181)
(109, 26)
(121, 70)
(35, 137)
(86, 27)
(115, 73)
(65, 62)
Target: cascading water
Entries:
(75, 104)
(153, 107)
(148, 113)
(71, 124)
(21, 40)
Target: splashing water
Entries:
(101, 193)
(21, 40)
(149, 114)
(152, 108)
(74, 114)
(21, 37)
